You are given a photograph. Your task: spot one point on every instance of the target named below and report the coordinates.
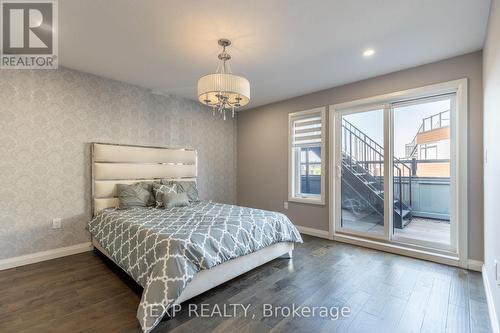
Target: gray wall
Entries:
(48, 118)
(491, 81)
(262, 141)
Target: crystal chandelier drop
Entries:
(223, 91)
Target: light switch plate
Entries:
(285, 205)
(497, 277)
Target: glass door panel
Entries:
(421, 172)
(362, 173)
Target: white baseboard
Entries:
(491, 305)
(44, 255)
(475, 265)
(313, 232)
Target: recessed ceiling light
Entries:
(368, 52)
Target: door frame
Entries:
(459, 193)
(337, 156)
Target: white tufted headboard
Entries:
(127, 164)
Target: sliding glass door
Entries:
(394, 172)
(422, 145)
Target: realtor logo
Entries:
(28, 34)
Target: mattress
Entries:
(163, 249)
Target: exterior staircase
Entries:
(363, 181)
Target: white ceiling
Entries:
(285, 48)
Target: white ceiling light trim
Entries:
(368, 52)
(223, 91)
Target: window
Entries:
(310, 170)
(428, 152)
(306, 156)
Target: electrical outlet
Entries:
(285, 205)
(57, 223)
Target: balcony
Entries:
(430, 203)
(424, 192)
(419, 228)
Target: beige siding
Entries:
(433, 136)
(433, 170)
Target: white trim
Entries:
(307, 200)
(332, 172)
(44, 255)
(314, 232)
(337, 153)
(475, 265)
(461, 158)
(388, 171)
(491, 304)
(423, 243)
(316, 200)
(398, 249)
(426, 91)
(451, 246)
(460, 210)
(401, 249)
(335, 171)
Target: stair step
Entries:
(405, 212)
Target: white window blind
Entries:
(307, 130)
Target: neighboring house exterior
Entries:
(429, 152)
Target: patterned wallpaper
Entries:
(47, 120)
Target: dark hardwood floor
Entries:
(385, 293)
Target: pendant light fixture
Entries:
(223, 91)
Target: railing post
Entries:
(365, 158)
(410, 180)
(400, 198)
(380, 166)
(350, 148)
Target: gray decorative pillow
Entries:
(190, 188)
(160, 190)
(135, 195)
(176, 200)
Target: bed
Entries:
(181, 252)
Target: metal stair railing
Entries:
(364, 152)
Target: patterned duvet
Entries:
(162, 249)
